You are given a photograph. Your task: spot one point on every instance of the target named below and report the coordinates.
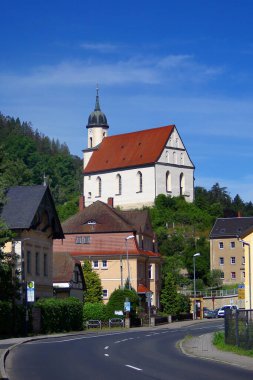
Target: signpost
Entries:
(148, 300)
(30, 291)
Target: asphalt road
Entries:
(126, 355)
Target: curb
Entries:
(203, 357)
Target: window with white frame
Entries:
(82, 240)
(37, 263)
(182, 184)
(232, 260)
(232, 244)
(105, 293)
(221, 245)
(95, 264)
(182, 158)
(243, 275)
(233, 275)
(167, 157)
(119, 184)
(168, 182)
(104, 264)
(99, 187)
(222, 275)
(150, 272)
(28, 261)
(243, 260)
(45, 264)
(221, 259)
(139, 182)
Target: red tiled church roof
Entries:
(129, 149)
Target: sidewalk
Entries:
(200, 346)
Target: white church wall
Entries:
(86, 158)
(174, 189)
(130, 196)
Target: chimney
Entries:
(81, 203)
(110, 202)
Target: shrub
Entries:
(95, 310)
(12, 318)
(117, 299)
(60, 314)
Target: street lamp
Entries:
(194, 284)
(128, 268)
(248, 245)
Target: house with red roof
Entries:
(120, 245)
(133, 168)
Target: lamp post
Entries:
(128, 268)
(22, 277)
(248, 245)
(194, 284)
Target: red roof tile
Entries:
(129, 149)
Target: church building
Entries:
(134, 168)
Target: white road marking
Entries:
(148, 335)
(136, 368)
(70, 339)
(106, 347)
(106, 354)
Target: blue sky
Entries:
(184, 62)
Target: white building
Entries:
(133, 168)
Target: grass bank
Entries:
(219, 342)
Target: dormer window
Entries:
(92, 222)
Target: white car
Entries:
(221, 311)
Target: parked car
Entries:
(207, 313)
(222, 310)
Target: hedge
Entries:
(59, 315)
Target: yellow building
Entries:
(246, 239)
(30, 213)
(120, 246)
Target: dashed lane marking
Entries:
(136, 368)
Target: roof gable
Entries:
(24, 206)
(129, 150)
(63, 267)
(96, 218)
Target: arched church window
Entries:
(119, 184)
(168, 182)
(182, 158)
(182, 184)
(90, 142)
(139, 178)
(99, 186)
(174, 158)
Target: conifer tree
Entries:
(93, 292)
(169, 296)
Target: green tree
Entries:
(169, 297)
(214, 278)
(94, 291)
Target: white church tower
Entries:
(97, 125)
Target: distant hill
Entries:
(26, 156)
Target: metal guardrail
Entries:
(94, 323)
(211, 293)
(116, 322)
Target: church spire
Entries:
(97, 105)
